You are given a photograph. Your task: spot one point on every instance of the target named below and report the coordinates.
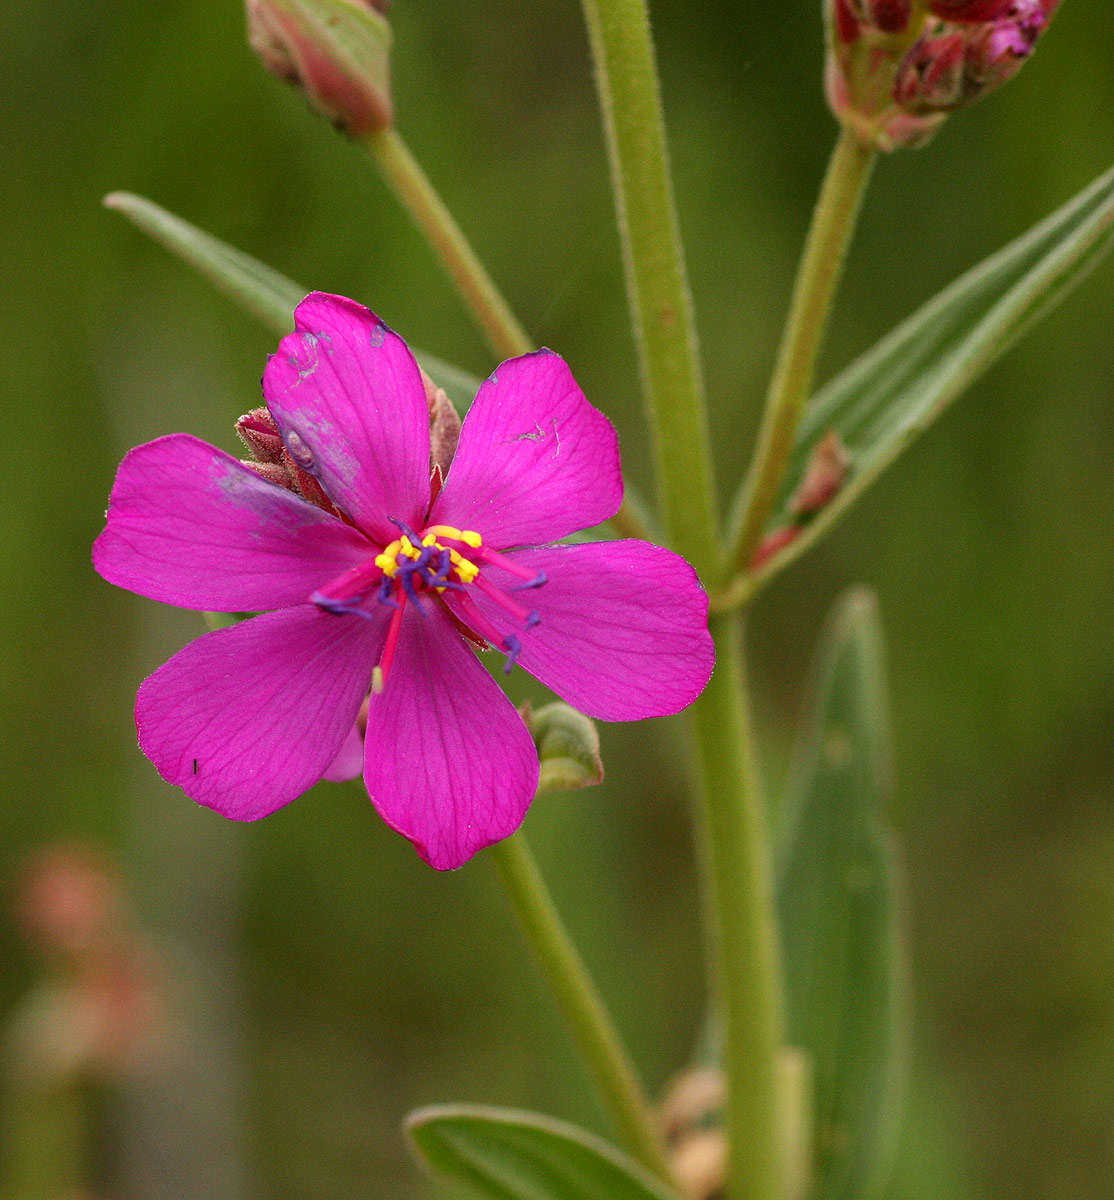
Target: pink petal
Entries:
(348, 396)
(349, 762)
(247, 718)
(449, 763)
(624, 627)
(190, 525)
(535, 461)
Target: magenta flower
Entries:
(376, 593)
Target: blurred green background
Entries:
(327, 980)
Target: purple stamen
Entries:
(513, 648)
(540, 578)
(338, 607)
(405, 529)
(406, 578)
(385, 589)
(440, 577)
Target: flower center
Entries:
(418, 568)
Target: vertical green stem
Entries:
(484, 301)
(833, 224)
(580, 1002)
(657, 287)
(738, 903)
(737, 888)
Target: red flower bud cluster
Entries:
(956, 61)
(896, 68)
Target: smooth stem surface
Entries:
(483, 299)
(833, 224)
(580, 1002)
(657, 287)
(738, 902)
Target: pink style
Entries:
(376, 594)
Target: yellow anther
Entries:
(387, 562)
(467, 571)
(467, 536)
(377, 681)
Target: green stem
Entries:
(833, 224)
(484, 301)
(580, 1002)
(657, 288)
(489, 310)
(737, 889)
(46, 1126)
(738, 903)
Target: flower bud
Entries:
(568, 748)
(867, 41)
(69, 897)
(258, 431)
(272, 461)
(953, 64)
(444, 427)
(336, 51)
(824, 475)
(889, 16)
(970, 10)
(894, 72)
(691, 1120)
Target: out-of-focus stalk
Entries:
(417, 195)
(657, 285)
(833, 224)
(737, 889)
(580, 1002)
(738, 901)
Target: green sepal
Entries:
(505, 1154)
(840, 902)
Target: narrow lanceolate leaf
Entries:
(258, 289)
(504, 1154)
(890, 395)
(840, 903)
(255, 287)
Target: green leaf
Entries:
(262, 292)
(889, 396)
(257, 288)
(504, 1154)
(840, 905)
